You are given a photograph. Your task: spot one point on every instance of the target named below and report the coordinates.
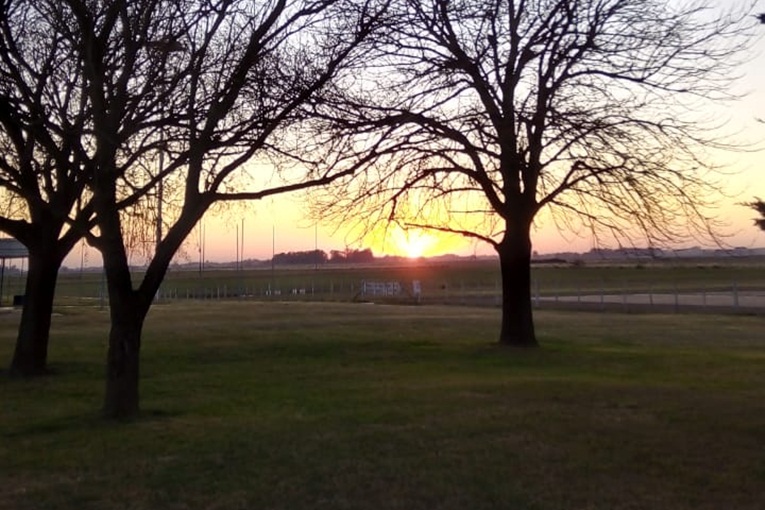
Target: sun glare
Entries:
(414, 244)
(393, 240)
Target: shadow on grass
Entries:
(57, 369)
(56, 425)
(79, 422)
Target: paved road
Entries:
(732, 302)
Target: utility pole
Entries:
(273, 255)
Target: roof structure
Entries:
(12, 249)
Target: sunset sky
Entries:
(284, 220)
(287, 216)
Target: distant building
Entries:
(10, 249)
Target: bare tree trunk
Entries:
(127, 318)
(123, 362)
(30, 356)
(515, 263)
(128, 311)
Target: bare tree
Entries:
(224, 91)
(489, 111)
(46, 137)
(42, 117)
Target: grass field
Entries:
(349, 406)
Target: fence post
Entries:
(602, 294)
(624, 295)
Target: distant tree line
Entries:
(351, 256)
(347, 256)
(301, 257)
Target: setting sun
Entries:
(414, 243)
(393, 240)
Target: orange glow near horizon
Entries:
(415, 243)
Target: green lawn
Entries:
(352, 406)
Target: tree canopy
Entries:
(212, 99)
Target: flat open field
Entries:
(253, 405)
(463, 281)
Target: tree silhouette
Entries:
(488, 112)
(42, 179)
(223, 92)
(212, 99)
(759, 206)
